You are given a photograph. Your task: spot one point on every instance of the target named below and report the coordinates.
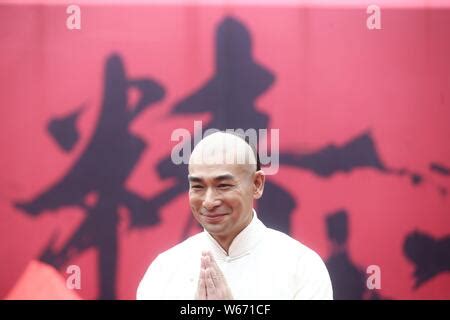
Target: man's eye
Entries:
(224, 186)
(197, 187)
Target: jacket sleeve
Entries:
(152, 285)
(313, 278)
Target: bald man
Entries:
(236, 256)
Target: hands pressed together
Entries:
(212, 284)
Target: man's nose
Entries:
(211, 201)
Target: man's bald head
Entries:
(224, 148)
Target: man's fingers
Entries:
(204, 262)
(202, 290)
(213, 285)
(201, 287)
(213, 264)
(210, 287)
(217, 279)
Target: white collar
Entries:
(241, 245)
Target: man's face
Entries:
(221, 197)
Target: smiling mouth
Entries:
(214, 218)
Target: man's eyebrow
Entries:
(218, 178)
(224, 177)
(194, 179)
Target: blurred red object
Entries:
(41, 281)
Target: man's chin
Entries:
(214, 229)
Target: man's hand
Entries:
(211, 283)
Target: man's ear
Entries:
(258, 184)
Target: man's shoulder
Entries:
(165, 266)
(290, 245)
(309, 266)
(277, 237)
